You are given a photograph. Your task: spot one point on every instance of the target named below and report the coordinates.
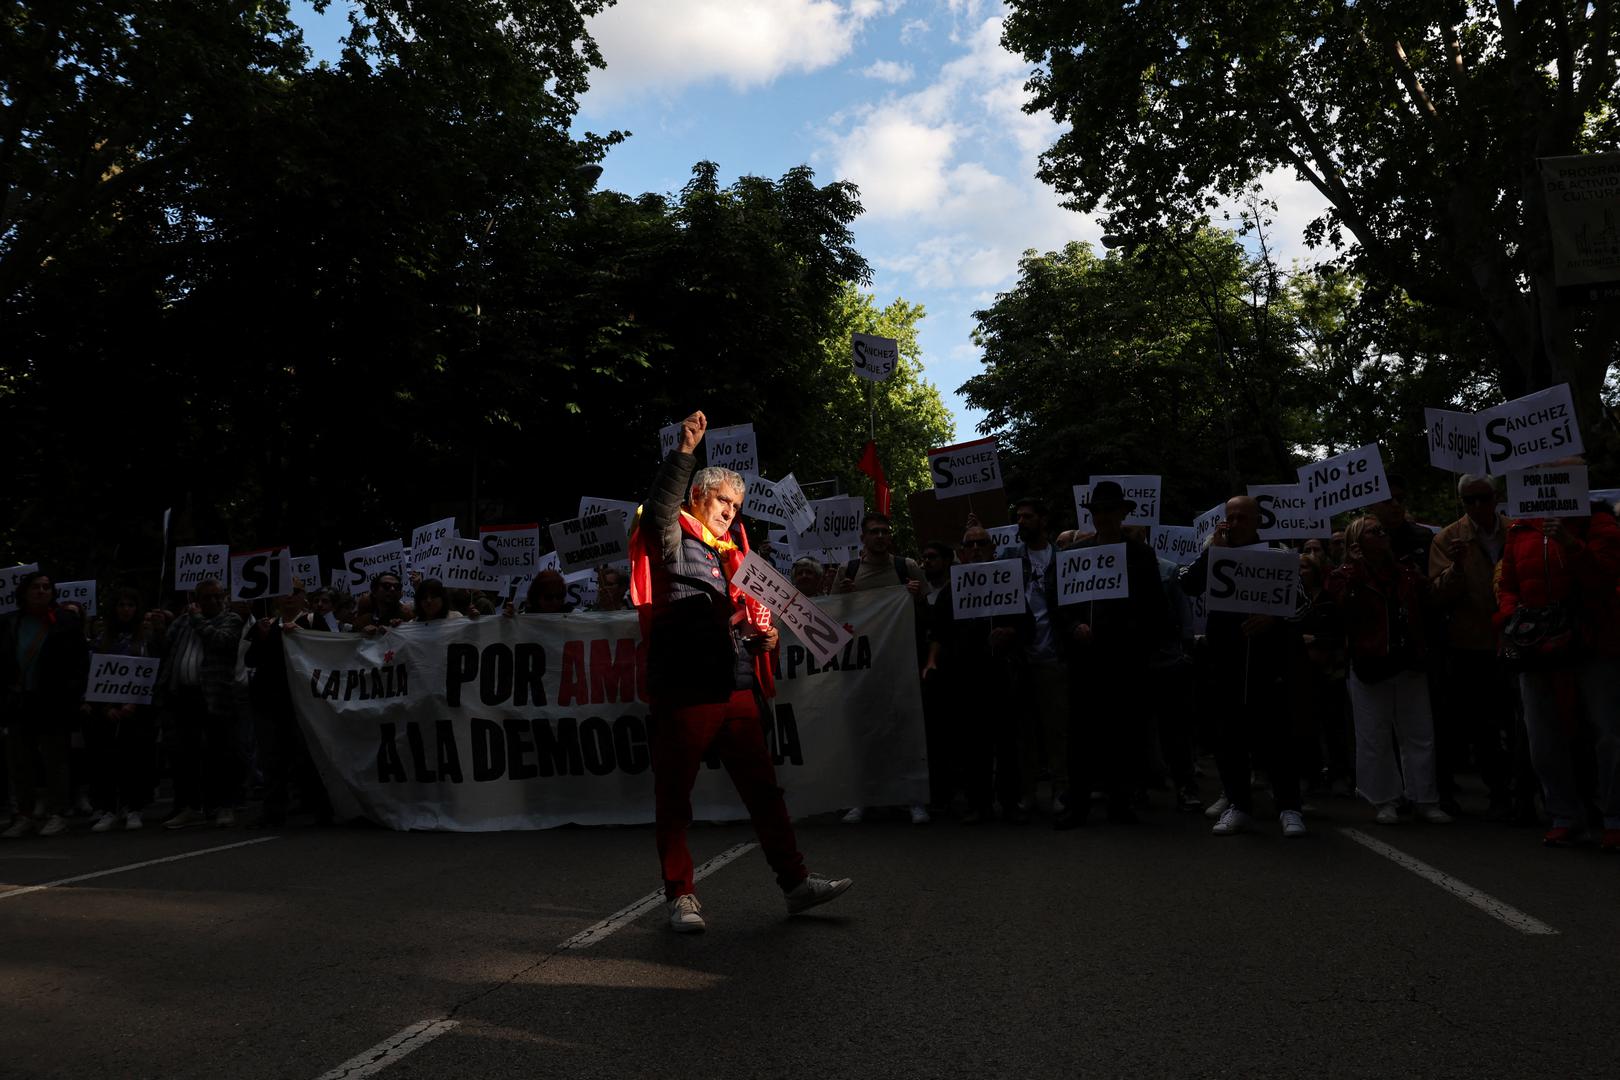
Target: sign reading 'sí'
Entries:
(965, 469)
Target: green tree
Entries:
(1418, 121)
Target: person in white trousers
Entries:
(1382, 603)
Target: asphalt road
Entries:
(991, 950)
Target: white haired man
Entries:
(708, 672)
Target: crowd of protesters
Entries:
(1417, 655)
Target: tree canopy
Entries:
(1418, 121)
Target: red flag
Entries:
(871, 466)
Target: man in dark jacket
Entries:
(1113, 642)
(1252, 661)
(44, 663)
(707, 674)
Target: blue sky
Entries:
(914, 101)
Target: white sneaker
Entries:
(815, 890)
(685, 915)
(919, 815)
(1434, 815)
(1293, 823)
(21, 825)
(132, 820)
(1388, 815)
(54, 824)
(225, 819)
(1232, 821)
(104, 821)
(1217, 808)
(185, 819)
(854, 815)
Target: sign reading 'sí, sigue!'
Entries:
(541, 720)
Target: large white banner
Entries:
(541, 720)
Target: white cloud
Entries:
(663, 45)
(912, 30)
(889, 71)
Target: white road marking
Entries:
(390, 1050)
(132, 866)
(624, 916)
(1490, 905)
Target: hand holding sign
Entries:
(820, 634)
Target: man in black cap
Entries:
(1112, 643)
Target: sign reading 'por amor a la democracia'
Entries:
(987, 588)
(1253, 580)
(874, 357)
(1092, 573)
(1555, 491)
(592, 540)
(1345, 481)
(121, 680)
(965, 469)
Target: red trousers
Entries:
(680, 740)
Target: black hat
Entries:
(1107, 495)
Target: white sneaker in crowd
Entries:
(104, 821)
(132, 820)
(815, 890)
(1388, 815)
(1293, 823)
(685, 915)
(1434, 815)
(1218, 807)
(919, 815)
(54, 824)
(1060, 803)
(82, 807)
(225, 819)
(21, 825)
(1232, 821)
(854, 815)
(185, 819)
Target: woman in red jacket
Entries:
(1381, 602)
(1571, 685)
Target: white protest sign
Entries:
(1583, 219)
(1284, 514)
(836, 528)
(874, 357)
(965, 468)
(1178, 543)
(1253, 580)
(121, 680)
(1531, 430)
(305, 570)
(463, 566)
(669, 437)
(362, 564)
(1556, 491)
(1345, 481)
(194, 565)
(1092, 573)
(781, 550)
(548, 561)
(1204, 524)
(82, 593)
(1003, 537)
(1607, 496)
(589, 541)
(760, 502)
(261, 574)
(733, 448)
(582, 586)
(794, 504)
(824, 637)
(1141, 489)
(1082, 516)
(625, 508)
(428, 544)
(509, 550)
(987, 588)
(1456, 441)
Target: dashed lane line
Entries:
(26, 889)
